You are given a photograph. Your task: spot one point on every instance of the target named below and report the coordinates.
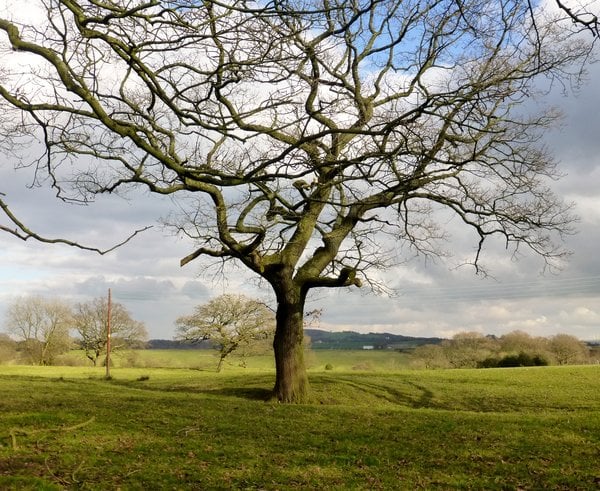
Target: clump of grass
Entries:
(143, 378)
(329, 366)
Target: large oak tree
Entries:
(299, 133)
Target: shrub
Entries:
(520, 360)
(489, 363)
(329, 366)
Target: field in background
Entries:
(375, 428)
(338, 360)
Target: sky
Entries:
(426, 298)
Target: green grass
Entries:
(373, 428)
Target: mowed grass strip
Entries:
(68, 428)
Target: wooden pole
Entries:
(108, 315)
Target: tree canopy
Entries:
(300, 135)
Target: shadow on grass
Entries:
(250, 393)
(326, 389)
(426, 398)
(257, 390)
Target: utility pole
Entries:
(108, 334)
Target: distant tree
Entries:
(430, 356)
(90, 321)
(231, 322)
(468, 349)
(520, 341)
(41, 326)
(517, 348)
(568, 350)
(8, 348)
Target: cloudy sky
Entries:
(429, 298)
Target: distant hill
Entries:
(345, 340)
(351, 340)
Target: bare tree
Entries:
(302, 135)
(430, 356)
(231, 322)
(516, 342)
(467, 349)
(568, 350)
(90, 321)
(41, 326)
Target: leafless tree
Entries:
(41, 326)
(467, 349)
(516, 342)
(310, 140)
(90, 320)
(568, 350)
(231, 322)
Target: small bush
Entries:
(489, 363)
(520, 360)
(329, 366)
(540, 361)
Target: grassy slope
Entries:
(536, 428)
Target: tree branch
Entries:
(25, 233)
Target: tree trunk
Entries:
(220, 364)
(291, 383)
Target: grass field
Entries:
(369, 426)
(339, 360)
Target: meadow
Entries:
(372, 423)
(317, 360)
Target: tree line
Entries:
(517, 348)
(39, 329)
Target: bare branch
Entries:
(21, 231)
(585, 18)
